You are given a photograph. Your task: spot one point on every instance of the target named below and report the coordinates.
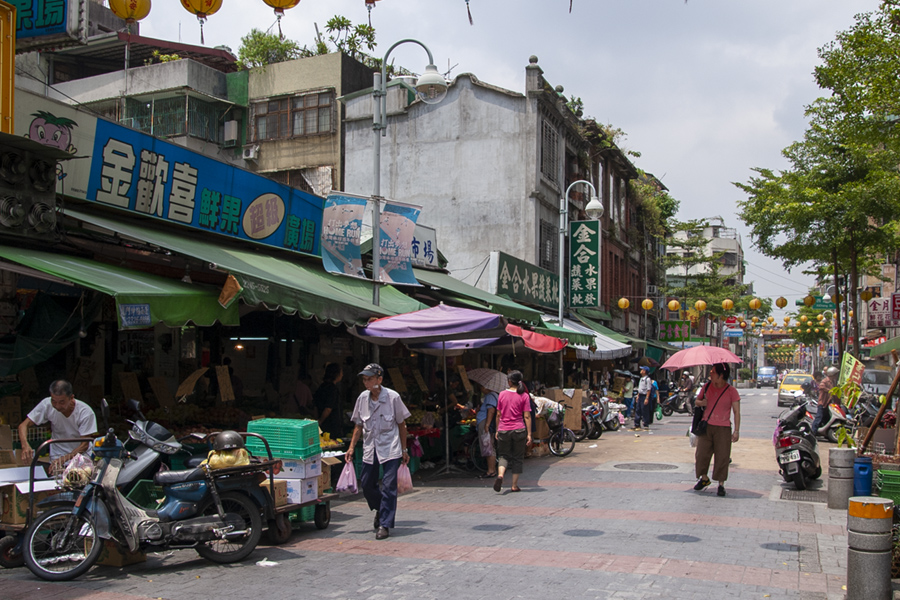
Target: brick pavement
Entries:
(581, 528)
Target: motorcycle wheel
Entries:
(667, 411)
(279, 530)
(8, 558)
(818, 473)
(582, 433)
(78, 545)
(613, 424)
(562, 442)
(323, 515)
(799, 480)
(596, 431)
(228, 551)
(831, 435)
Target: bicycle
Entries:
(468, 454)
(562, 439)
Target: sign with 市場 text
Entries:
(584, 264)
(50, 24)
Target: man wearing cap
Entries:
(643, 409)
(380, 418)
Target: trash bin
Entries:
(862, 476)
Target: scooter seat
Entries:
(194, 462)
(172, 477)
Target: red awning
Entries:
(537, 341)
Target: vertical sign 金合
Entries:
(584, 264)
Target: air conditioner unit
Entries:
(231, 133)
(251, 152)
(652, 290)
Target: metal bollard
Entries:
(869, 521)
(840, 476)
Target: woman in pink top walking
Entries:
(513, 426)
(720, 400)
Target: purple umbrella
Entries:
(437, 324)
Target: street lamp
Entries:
(431, 88)
(594, 210)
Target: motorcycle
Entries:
(677, 403)
(835, 418)
(216, 512)
(796, 449)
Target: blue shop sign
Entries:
(135, 315)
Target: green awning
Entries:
(293, 286)
(885, 347)
(619, 337)
(663, 346)
(142, 299)
(574, 337)
(463, 291)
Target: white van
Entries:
(877, 381)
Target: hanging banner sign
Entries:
(398, 227)
(584, 264)
(524, 282)
(880, 313)
(851, 370)
(674, 331)
(50, 24)
(342, 220)
(425, 248)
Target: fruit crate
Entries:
(887, 485)
(288, 438)
(146, 494)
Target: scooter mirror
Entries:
(135, 406)
(104, 412)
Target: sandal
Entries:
(487, 476)
(498, 483)
(518, 489)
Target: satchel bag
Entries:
(698, 426)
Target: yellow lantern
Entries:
(727, 304)
(804, 318)
(700, 305)
(282, 5)
(816, 330)
(743, 325)
(837, 298)
(820, 317)
(203, 9)
(808, 330)
(755, 304)
(865, 295)
(755, 319)
(647, 304)
(624, 303)
(850, 313)
(130, 10)
(781, 302)
(809, 300)
(770, 320)
(674, 305)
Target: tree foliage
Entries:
(259, 49)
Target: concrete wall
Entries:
(468, 161)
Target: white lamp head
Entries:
(594, 208)
(432, 86)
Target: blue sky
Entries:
(704, 90)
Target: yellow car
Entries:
(792, 387)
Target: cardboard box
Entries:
(541, 429)
(300, 491)
(9, 459)
(325, 477)
(11, 410)
(14, 493)
(292, 468)
(114, 556)
(573, 405)
(887, 437)
(540, 449)
(5, 437)
(281, 494)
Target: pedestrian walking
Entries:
(824, 388)
(484, 419)
(720, 400)
(643, 409)
(380, 418)
(513, 425)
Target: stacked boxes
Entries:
(296, 443)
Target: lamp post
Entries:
(431, 88)
(831, 349)
(594, 210)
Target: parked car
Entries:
(791, 387)
(877, 381)
(767, 376)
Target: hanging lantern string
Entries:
(471, 22)
(202, 21)
(278, 16)
(369, 6)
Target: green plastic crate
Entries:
(288, 438)
(146, 494)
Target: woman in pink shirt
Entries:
(513, 426)
(720, 400)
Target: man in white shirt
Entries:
(380, 419)
(642, 406)
(68, 418)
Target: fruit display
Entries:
(467, 422)
(326, 443)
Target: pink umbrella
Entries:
(700, 355)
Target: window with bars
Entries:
(548, 256)
(307, 114)
(549, 152)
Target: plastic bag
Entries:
(693, 439)
(347, 480)
(659, 413)
(404, 479)
(78, 472)
(222, 459)
(415, 449)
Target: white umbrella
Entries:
(491, 379)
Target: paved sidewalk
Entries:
(615, 520)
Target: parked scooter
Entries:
(216, 512)
(796, 449)
(677, 403)
(835, 418)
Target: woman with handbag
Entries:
(513, 427)
(713, 428)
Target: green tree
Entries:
(259, 49)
